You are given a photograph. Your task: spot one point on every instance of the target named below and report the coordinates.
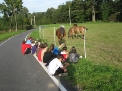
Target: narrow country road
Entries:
(20, 72)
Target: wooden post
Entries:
(54, 37)
(43, 33)
(84, 43)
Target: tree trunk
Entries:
(16, 22)
(10, 22)
(93, 13)
(15, 18)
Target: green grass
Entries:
(103, 42)
(4, 36)
(91, 77)
(102, 69)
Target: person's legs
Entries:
(28, 50)
(58, 71)
(64, 73)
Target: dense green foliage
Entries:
(82, 11)
(15, 16)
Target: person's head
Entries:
(41, 45)
(39, 40)
(60, 57)
(50, 49)
(36, 44)
(73, 50)
(33, 41)
(52, 46)
(29, 38)
(23, 42)
(45, 45)
(64, 48)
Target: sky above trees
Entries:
(41, 5)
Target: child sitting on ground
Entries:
(26, 48)
(73, 55)
(64, 53)
(48, 55)
(34, 48)
(56, 67)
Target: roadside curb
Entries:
(52, 77)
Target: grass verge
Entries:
(88, 76)
(4, 36)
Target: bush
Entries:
(91, 77)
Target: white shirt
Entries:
(54, 65)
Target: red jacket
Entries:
(64, 55)
(24, 47)
(39, 55)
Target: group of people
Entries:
(56, 59)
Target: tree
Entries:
(77, 11)
(14, 6)
(23, 17)
(5, 21)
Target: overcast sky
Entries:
(41, 5)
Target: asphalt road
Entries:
(20, 72)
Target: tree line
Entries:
(15, 16)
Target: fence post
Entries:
(40, 31)
(85, 43)
(54, 37)
(43, 33)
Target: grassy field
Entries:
(103, 42)
(102, 68)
